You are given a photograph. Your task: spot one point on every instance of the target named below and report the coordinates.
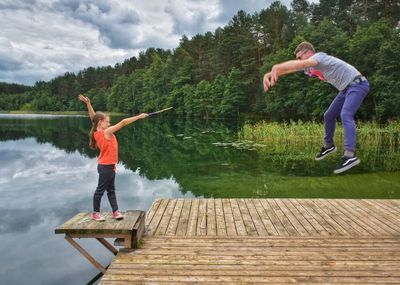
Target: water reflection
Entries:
(41, 187)
(206, 159)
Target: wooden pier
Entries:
(252, 241)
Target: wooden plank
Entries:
(276, 241)
(381, 214)
(247, 220)
(381, 206)
(301, 219)
(352, 216)
(184, 218)
(122, 272)
(268, 224)
(393, 203)
(292, 219)
(202, 219)
(153, 225)
(237, 217)
(165, 218)
(138, 231)
(229, 221)
(245, 280)
(220, 218)
(176, 214)
(362, 220)
(255, 217)
(297, 203)
(329, 219)
(192, 224)
(211, 219)
(152, 210)
(274, 218)
(313, 211)
(287, 225)
(353, 228)
(378, 221)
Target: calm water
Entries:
(48, 174)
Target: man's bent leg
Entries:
(354, 97)
(330, 116)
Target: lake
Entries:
(49, 174)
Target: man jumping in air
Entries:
(352, 86)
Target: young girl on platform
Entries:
(102, 136)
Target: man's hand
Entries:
(275, 75)
(84, 99)
(270, 78)
(267, 81)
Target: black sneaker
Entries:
(324, 152)
(346, 163)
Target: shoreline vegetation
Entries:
(312, 133)
(83, 113)
(377, 144)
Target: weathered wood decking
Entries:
(251, 241)
(130, 230)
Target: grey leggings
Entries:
(106, 183)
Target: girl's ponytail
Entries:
(97, 117)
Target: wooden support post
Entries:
(108, 245)
(128, 242)
(85, 253)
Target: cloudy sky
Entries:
(41, 39)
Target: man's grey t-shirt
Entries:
(334, 71)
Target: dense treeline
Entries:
(219, 74)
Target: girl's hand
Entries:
(84, 99)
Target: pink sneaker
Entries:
(97, 217)
(117, 215)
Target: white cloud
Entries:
(42, 39)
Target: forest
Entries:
(219, 74)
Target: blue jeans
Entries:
(345, 104)
(106, 183)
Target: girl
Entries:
(102, 136)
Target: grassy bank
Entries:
(376, 144)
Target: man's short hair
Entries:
(304, 46)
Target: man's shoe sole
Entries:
(322, 157)
(343, 169)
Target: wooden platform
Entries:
(252, 241)
(130, 230)
(83, 226)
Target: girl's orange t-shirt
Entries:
(108, 148)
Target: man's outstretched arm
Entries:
(270, 78)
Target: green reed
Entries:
(377, 144)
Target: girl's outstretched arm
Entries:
(110, 130)
(86, 100)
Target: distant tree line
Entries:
(219, 75)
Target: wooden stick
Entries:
(163, 110)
